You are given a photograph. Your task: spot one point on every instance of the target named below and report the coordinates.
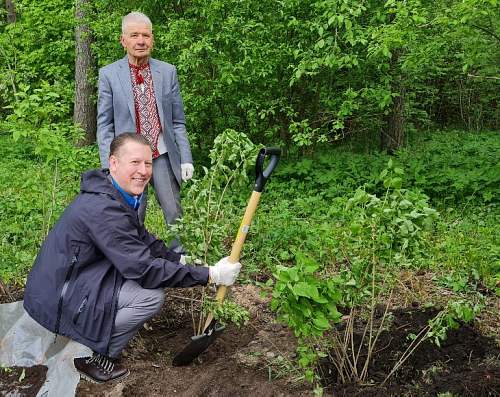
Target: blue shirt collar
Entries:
(133, 201)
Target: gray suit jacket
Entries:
(116, 112)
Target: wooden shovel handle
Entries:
(237, 246)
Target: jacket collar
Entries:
(99, 182)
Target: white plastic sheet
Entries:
(25, 343)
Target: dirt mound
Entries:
(466, 363)
(259, 359)
(247, 361)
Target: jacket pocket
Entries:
(91, 323)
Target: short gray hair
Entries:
(135, 16)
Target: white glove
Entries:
(224, 272)
(187, 170)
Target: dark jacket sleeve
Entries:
(115, 234)
(158, 248)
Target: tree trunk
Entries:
(84, 112)
(11, 11)
(393, 136)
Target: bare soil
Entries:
(466, 363)
(239, 363)
(259, 360)
(19, 381)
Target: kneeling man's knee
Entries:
(156, 299)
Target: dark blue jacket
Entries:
(97, 243)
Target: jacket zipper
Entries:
(65, 287)
(115, 300)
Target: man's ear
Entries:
(113, 163)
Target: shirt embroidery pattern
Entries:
(146, 112)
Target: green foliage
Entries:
(38, 122)
(460, 281)
(209, 211)
(38, 48)
(304, 299)
(450, 167)
(396, 224)
(453, 168)
(467, 252)
(35, 108)
(377, 236)
(226, 312)
(35, 192)
(455, 313)
(297, 73)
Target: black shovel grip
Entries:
(263, 175)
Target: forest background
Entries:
(387, 113)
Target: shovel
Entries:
(211, 330)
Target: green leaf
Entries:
(405, 204)
(321, 322)
(22, 376)
(355, 228)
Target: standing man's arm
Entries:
(179, 122)
(105, 118)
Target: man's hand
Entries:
(187, 170)
(224, 272)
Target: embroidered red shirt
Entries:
(147, 119)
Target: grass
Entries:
(302, 209)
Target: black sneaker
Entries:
(100, 368)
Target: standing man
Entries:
(141, 94)
(99, 275)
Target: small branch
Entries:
(421, 337)
(483, 77)
(184, 298)
(486, 31)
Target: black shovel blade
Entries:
(198, 344)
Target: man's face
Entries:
(131, 167)
(137, 40)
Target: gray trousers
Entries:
(136, 305)
(167, 191)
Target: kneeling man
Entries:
(100, 274)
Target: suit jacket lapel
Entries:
(158, 85)
(124, 78)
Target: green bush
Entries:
(455, 167)
(35, 192)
